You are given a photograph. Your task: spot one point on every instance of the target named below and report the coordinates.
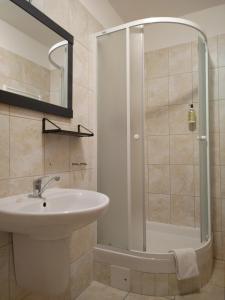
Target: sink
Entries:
(41, 234)
(66, 210)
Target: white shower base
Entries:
(156, 261)
(161, 237)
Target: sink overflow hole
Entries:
(44, 204)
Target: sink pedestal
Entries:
(42, 266)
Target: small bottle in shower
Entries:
(191, 114)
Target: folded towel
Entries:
(186, 263)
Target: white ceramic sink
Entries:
(41, 234)
(66, 211)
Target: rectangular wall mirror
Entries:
(36, 58)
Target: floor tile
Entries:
(209, 293)
(98, 291)
(142, 297)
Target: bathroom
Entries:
(150, 138)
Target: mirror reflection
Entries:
(33, 58)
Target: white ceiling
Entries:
(130, 10)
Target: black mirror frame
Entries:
(30, 103)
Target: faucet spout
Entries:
(38, 189)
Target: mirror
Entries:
(35, 60)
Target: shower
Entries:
(153, 141)
(59, 61)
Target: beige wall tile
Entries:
(148, 284)
(92, 153)
(182, 210)
(213, 51)
(180, 89)
(221, 108)
(222, 178)
(92, 111)
(173, 285)
(218, 275)
(58, 11)
(158, 149)
(157, 121)
(146, 179)
(81, 76)
(135, 282)
(221, 50)
(213, 84)
(78, 22)
(161, 285)
(82, 241)
(222, 148)
(80, 179)
(81, 275)
(159, 208)
(4, 273)
(215, 157)
(196, 150)
(195, 87)
(215, 181)
(221, 83)
(197, 212)
(4, 146)
(56, 154)
(196, 180)
(181, 149)
(26, 157)
(102, 273)
(194, 55)
(64, 181)
(80, 105)
(20, 185)
(217, 214)
(214, 107)
(79, 153)
(180, 59)
(158, 91)
(182, 179)
(159, 179)
(25, 113)
(178, 123)
(218, 245)
(93, 27)
(158, 63)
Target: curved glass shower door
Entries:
(203, 139)
(160, 194)
(120, 138)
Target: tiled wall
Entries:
(171, 148)
(29, 78)
(22, 74)
(172, 159)
(151, 283)
(25, 153)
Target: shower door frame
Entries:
(162, 20)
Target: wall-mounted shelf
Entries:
(60, 131)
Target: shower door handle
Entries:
(136, 136)
(201, 138)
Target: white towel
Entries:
(186, 263)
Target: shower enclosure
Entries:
(156, 196)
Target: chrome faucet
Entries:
(38, 189)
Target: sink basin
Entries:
(66, 211)
(41, 234)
